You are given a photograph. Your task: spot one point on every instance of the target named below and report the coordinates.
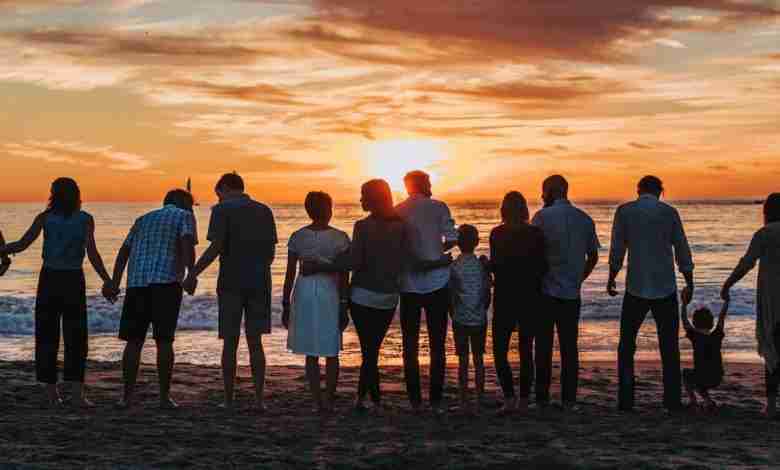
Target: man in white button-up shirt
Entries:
(653, 235)
(572, 251)
(431, 232)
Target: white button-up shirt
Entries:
(652, 233)
(569, 235)
(429, 225)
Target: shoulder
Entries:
(497, 231)
(441, 205)
(86, 217)
(340, 234)
(585, 217)
(626, 206)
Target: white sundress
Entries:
(314, 314)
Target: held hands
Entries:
(110, 291)
(687, 294)
(612, 288)
(190, 284)
(5, 263)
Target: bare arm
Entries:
(27, 239)
(617, 253)
(94, 256)
(289, 282)
(724, 311)
(745, 265)
(205, 260)
(120, 264)
(684, 317)
(187, 250)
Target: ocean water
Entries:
(719, 233)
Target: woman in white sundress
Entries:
(315, 316)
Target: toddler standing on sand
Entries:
(470, 288)
(707, 372)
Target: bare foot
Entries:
(168, 404)
(124, 404)
(508, 408)
(82, 403)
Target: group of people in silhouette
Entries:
(399, 258)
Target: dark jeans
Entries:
(562, 315)
(436, 305)
(505, 321)
(371, 325)
(665, 312)
(61, 298)
(773, 378)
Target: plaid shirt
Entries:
(153, 243)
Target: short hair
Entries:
(702, 318)
(651, 184)
(772, 208)
(418, 180)
(230, 181)
(514, 208)
(179, 198)
(65, 198)
(556, 183)
(318, 204)
(468, 237)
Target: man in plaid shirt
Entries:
(160, 246)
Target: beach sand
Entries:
(288, 435)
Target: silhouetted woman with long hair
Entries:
(518, 263)
(68, 235)
(765, 249)
(377, 255)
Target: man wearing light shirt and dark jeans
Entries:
(572, 251)
(653, 235)
(431, 233)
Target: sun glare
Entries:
(392, 159)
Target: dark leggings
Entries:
(505, 321)
(371, 325)
(61, 297)
(773, 378)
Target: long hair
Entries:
(379, 199)
(514, 209)
(65, 199)
(772, 208)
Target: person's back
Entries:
(428, 222)
(248, 234)
(383, 239)
(569, 235)
(651, 231)
(65, 240)
(707, 357)
(154, 241)
(518, 260)
(470, 290)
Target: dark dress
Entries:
(518, 262)
(707, 369)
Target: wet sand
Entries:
(288, 435)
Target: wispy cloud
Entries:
(79, 154)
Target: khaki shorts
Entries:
(251, 305)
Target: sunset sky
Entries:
(133, 96)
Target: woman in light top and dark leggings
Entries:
(518, 263)
(68, 234)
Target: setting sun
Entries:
(392, 159)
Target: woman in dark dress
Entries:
(68, 236)
(518, 264)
